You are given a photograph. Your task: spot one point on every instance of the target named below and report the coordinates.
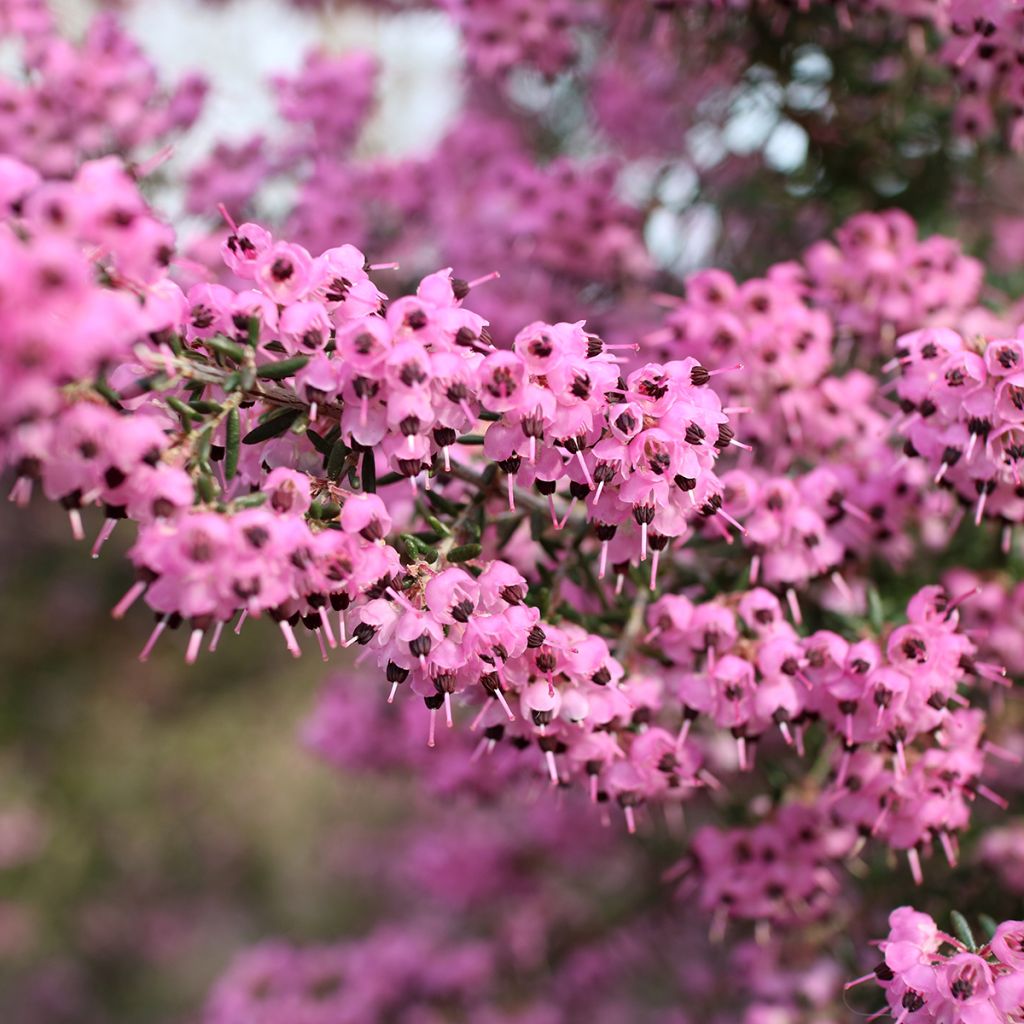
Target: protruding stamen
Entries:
(75, 518)
(725, 369)
(325, 623)
(914, 860)
(684, 732)
(993, 797)
(241, 621)
(504, 705)
(431, 732)
(477, 281)
(602, 564)
(980, 510)
(135, 591)
(449, 721)
(630, 819)
(289, 638)
(739, 527)
(1010, 756)
(215, 638)
(586, 469)
(568, 512)
(549, 758)
(794, 606)
(103, 536)
(192, 651)
(948, 848)
(229, 220)
(153, 637)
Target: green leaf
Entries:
(253, 500)
(253, 331)
(102, 388)
(336, 457)
(233, 434)
(272, 427)
(324, 510)
(437, 526)
(369, 471)
(206, 407)
(464, 553)
(182, 409)
(231, 349)
(962, 930)
(440, 503)
(988, 925)
(207, 487)
(282, 368)
(321, 445)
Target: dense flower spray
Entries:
(600, 547)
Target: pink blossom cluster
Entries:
(994, 615)
(61, 324)
(878, 279)
(329, 98)
(397, 973)
(479, 201)
(983, 51)
(928, 975)
(84, 101)
(506, 34)
(963, 405)
(742, 666)
(825, 522)
(911, 804)
(778, 871)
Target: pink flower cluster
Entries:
(983, 52)
(329, 99)
(928, 975)
(912, 807)
(994, 615)
(878, 279)
(865, 694)
(506, 34)
(398, 973)
(85, 101)
(60, 324)
(778, 871)
(963, 403)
